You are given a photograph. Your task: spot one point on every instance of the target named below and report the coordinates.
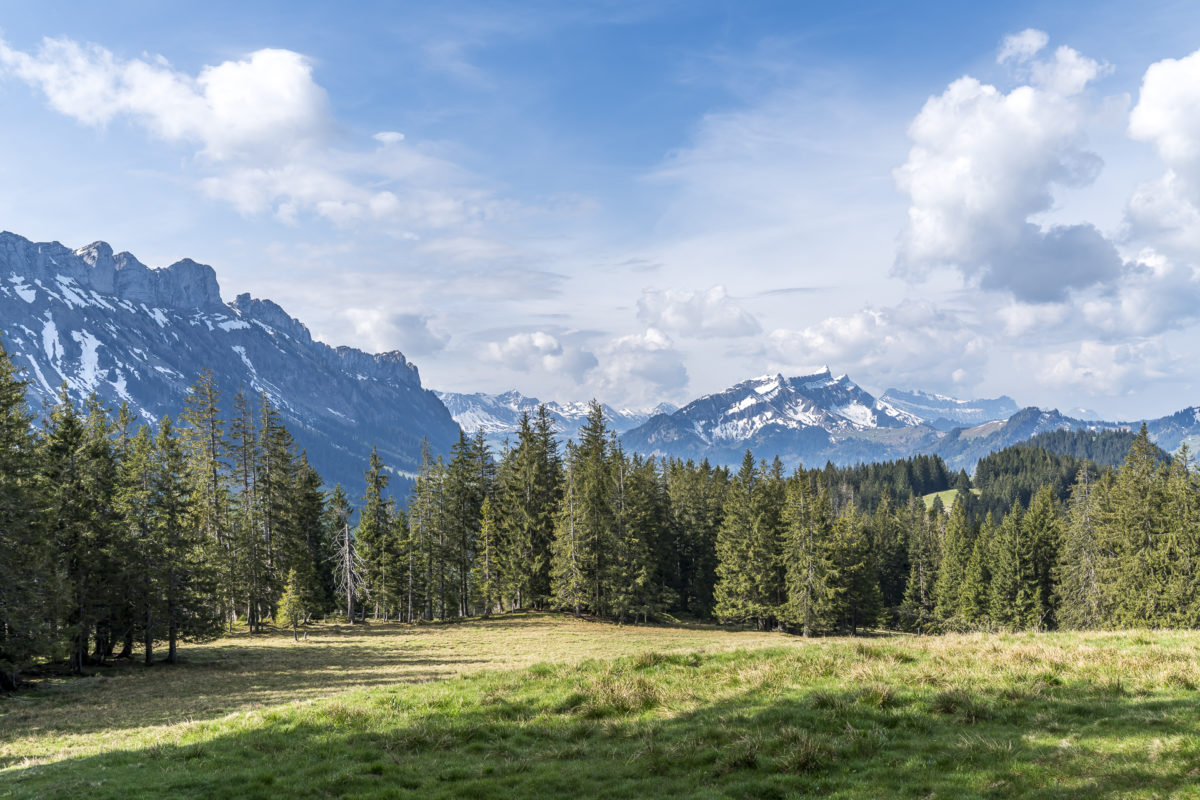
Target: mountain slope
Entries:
(946, 413)
(106, 323)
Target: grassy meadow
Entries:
(539, 705)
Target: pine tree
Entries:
(629, 566)
(974, 599)
(808, 520)
(1012, 595)
(924, 558)
(292, 609)
(78, 482)
(1041, 529)
(188, 583)
(487, 562)
(527, 494)
(208, 474)
(29, 588)
(854, 598)
(890, 548)
(252, 579)
(373, 537)
(1081, 598)
(568, 577)
(734, 593)
(1136, 530)
(958, 543)
(136, 503)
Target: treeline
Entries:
(114, 535)
(596, 530)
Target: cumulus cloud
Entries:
(410, 333)
(1107, 369)
(1166, 212)
(699, 315)
(914, 343)
(642, 367)
(983, 162)
(263, 134)
(541, 351)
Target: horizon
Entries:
(649, 204)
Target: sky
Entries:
(648, 201)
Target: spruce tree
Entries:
(958, 544)
(1041, 528)
(924, 558)
(189, 583)
(568, 576)
(974, 604)
(854, 597)
(808, 519)
(208, 474)
(374, 537)
(487, 563)
(292, 609)
(29, 587)
(734, 594)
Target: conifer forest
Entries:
(121, 539)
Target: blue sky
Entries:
(648, 201)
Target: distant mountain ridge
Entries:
(812, 419)
(106, 323)
(499, 415)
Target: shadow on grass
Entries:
(611, 731)
(244, 671)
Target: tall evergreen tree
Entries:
(808, 518)
(958, 543)
(374, 538)
(29, 587)
(189, 584)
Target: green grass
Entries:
(946, 496)
(1039, 715)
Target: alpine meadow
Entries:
(579, 552)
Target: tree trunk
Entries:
(149, 640)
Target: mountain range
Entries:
(102, 322)
(106, 323)
(817, 418)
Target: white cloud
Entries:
(266, 100)
(409, 333)
(1107, 369)
(1022, 46)
(541, 351)
(911, 344)
(263, 132)
(700, 315)
(642, 367)
(983, 162)
(1165, 213)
